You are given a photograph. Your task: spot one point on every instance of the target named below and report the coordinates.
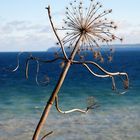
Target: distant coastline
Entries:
(118, 47)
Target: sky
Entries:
(24, 24)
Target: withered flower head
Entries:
(90, 22)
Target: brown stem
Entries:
(50, 102)
(54, 30)
(69, 111)
(55, 92)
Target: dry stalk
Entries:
(85, 29)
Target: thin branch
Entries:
(63, 50)
(107, 74)
(113, 84)
(27, 68)
(46, 61)
(38, 60)
(103, 70)
(93, 73)
(72, 110)
(46, 135)
(102, 76)
(17, 62)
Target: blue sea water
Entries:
(22, 101)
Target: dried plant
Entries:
(92, 24)
(85, 29)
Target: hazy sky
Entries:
(24, 24)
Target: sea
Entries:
(116, 116)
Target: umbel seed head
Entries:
(91, 23)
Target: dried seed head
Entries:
(113, 37)
(96, 54)
(57, 43)
(62, 64)
(97, 3)
(110, 58)
(112, 22)
(126, 84)
(91, 24)
(121, 39)
(115, 27)
(101, 6)
(101, 59)
(81, 57)
(110, 11)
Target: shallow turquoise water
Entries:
(22, 102)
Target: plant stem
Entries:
(55, 92)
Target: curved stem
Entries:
(101, 76)
(107, 74)
(49, 14)
(47, 61)
(17, 62)
(55, 92)
(69, 111)
(46, 135)
(103, 70)
(93, 73)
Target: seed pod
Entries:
(62, 64)
(126, 84)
